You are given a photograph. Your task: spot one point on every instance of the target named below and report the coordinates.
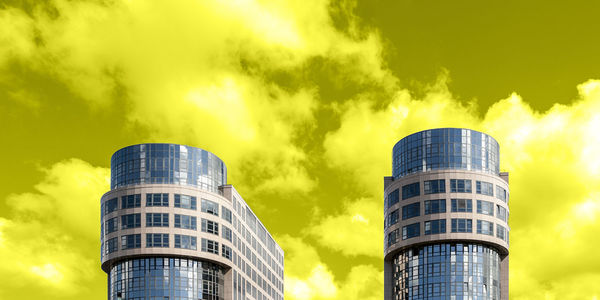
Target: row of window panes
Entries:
(162, 200)
(439, 186)
(439, 226)
(439, 206)
(162, 220)
(161, 240)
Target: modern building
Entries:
(172, 228)
(446, 218)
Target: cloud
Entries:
(49, 243)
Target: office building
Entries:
(172, 228)
(446, 218)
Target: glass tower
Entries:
(172, 228)
(446, 218)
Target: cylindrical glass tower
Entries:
(446, 218)
(172, 228)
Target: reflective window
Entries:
(435, 226)
(226, 214)
(484, 188)
(185, 222)
(157, 200)
(210, 226)
(462, 225)
(446, 148)
(485, 208)
(501, 193)
(447, 271)
(462, 205)
(131, 241)
(435, 206)
(111, 225)
(393, 198)
(434, 186)
(166, 278)
(157, 240)
(226, 251)
(226, 233)
(111, 205)
(410, 231)
(157, 220)
(485, 227)
(501, 233)
(131, 221)
(501, 213)
(112, 245)
(392, 237)
(210, 207)
(411, 210)
(410, 190)
(131, 201)
(210, 246)
(460, 186)
(185, 242)
(393, 218)
(185, 201)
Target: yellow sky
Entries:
(303, 100)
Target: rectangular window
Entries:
(185, 201)
(157, 220)
(226, 233)
(131, 201)
(392, 237)
(210, 246)
(485, 208)
(226, 251)
(434, 186)
(435, 226)
(435, 206)
(131, 241)
(462, 205)
(393, 198)
(410, 231)
(210, 207)
(393, 218)
(226, 214)
(157, 200)
(111, 205)
(410, 190)
(131, 221)
(462, 225)
(502, 214)
(484, 188)
(460, 186)
(111, 225)
(210, 226)
(157, 240)
(112, 245)
(185, 222)
(185, 242)
(411, 210)
(501, 193)
(485, 227)
(501, 233)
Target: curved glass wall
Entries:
(446, 148)
(167, 163)
(165, 278)
(447, 271)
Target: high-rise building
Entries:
(446, 218)
(172, 228)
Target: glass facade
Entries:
(446, 148)
(447, 271)
(167, 163)
(165, 278)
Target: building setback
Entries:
(172, 228)
(446, 218)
